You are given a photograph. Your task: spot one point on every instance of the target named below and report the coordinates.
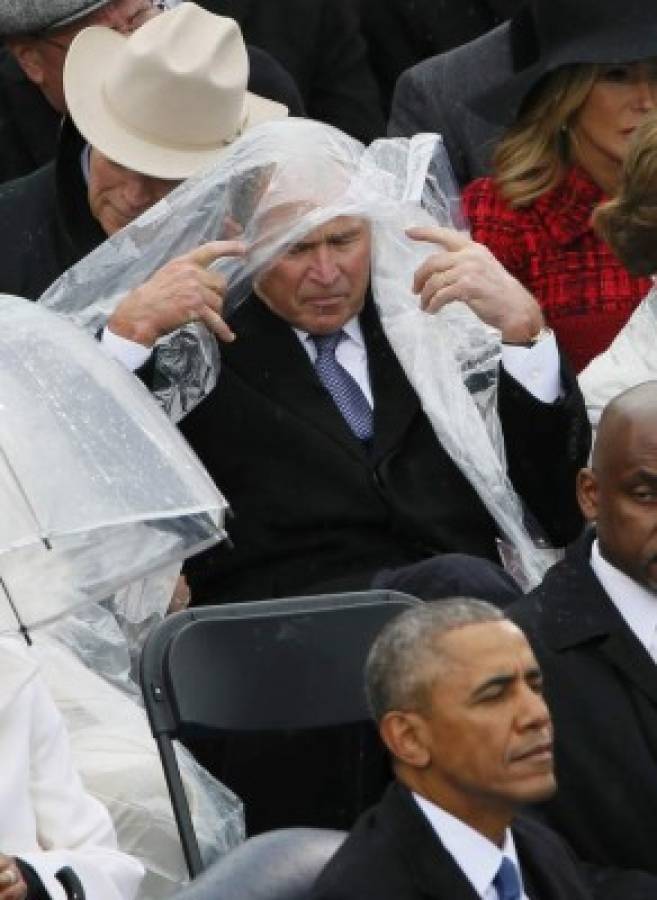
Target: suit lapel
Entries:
(269, 357)
(395, 402)
(432, 869)
(580, 611)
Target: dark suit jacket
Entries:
(401, 33)
(314, 509)
(434, 96)
(393, 853)
(29, 125)
(320, 44)
(601, 686)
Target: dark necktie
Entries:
(342, 387)
(507, 881)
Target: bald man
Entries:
(593, 627)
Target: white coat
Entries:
(48, 819)
(630, 359)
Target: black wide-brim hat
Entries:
(547, 34)
(30, 16)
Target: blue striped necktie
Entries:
(342, 387)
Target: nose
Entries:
(137, 191)
(645, 94)
(533, 712)
(324, 269)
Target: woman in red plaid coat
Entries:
(573, 115)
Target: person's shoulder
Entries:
(366, 865)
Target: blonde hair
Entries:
(628, 223)
(532, 156)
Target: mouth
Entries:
(542, 752)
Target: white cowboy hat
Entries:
(167, 100)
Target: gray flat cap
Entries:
(28, 16)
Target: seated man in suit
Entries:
(337, 478)
(457, 695)
(593, 627)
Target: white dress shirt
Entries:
(535, 368)
(478, 858)
(635, 603)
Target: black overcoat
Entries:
(393, 853)
(320, 44)
(601, 686)
(315, 510)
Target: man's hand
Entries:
(469, 272)
(12, 885)
(181, 292)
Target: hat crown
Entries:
(545, 29)
(28, 16)
(183, 72)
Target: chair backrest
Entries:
(295, 663)
(277, 865)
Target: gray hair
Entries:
(395, 671)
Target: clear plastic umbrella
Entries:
(97, 487)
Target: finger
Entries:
(207, 253)
(449, 238)
(217, 325)
(433, 265)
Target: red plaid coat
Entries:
(585, 292)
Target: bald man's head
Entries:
(619, 491)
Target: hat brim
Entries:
(500, 102)
(100, 127)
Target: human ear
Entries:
(28, 56)
(403, 733)
(587, 494)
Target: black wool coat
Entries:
(46, 225)
(401, 33)
(393, 853)
(434, 95)
(320, 44)
(601, 686)
(29, 126)
(315, 510)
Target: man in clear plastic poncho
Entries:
(360, 439)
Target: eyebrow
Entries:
(531, 674)
(643, 475)
(337, 236)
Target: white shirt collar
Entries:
(476, 856)
(351, 328)
(635, 603)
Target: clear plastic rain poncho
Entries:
(281, 181)
(98, 489)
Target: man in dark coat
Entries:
(401, 33)
(434, 95)
(47, 220)
(36, 36)
(320, 44)
(593, 628)
(397, 502)
(457, 696)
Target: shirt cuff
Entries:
(131, 354)
(536, 368)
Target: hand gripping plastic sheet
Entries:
(281, 181)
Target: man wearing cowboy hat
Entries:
(36, 36)
(169, 102)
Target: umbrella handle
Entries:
(71, 883)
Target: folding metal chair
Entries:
(269, 665)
